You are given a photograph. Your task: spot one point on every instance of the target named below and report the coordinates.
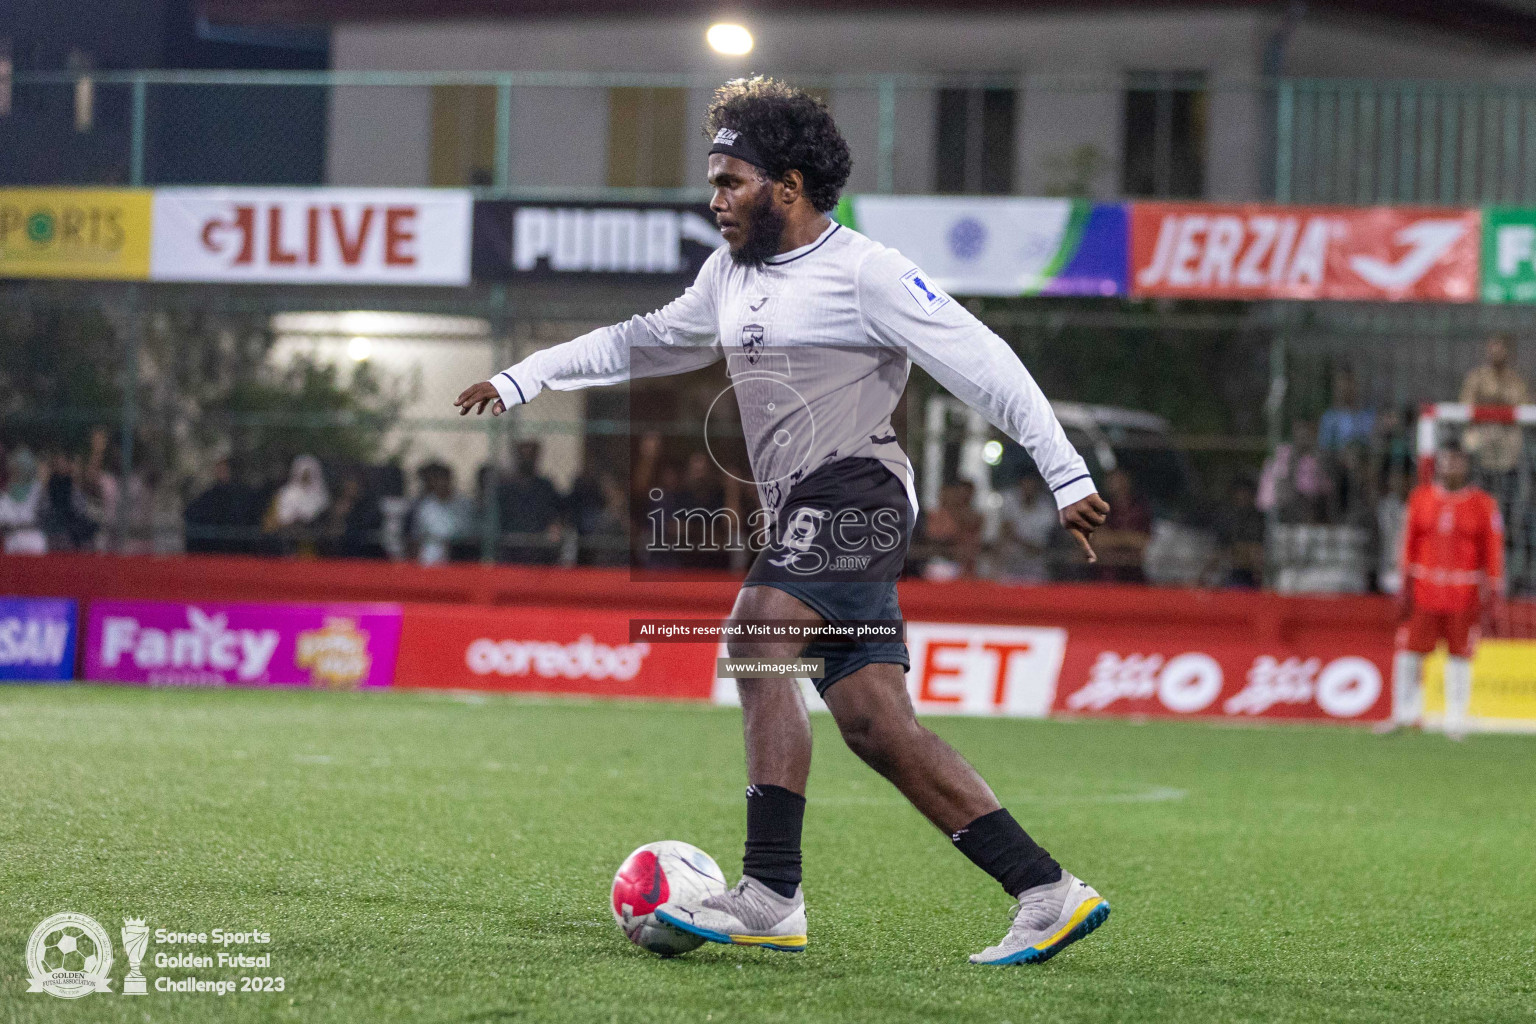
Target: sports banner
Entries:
(1001, 245)
(1509, 254)
(334, 646)
(37, 638)
(1216, 673)
(312, 236)
(645, 241)
(75, 233)
(546, 650)
(1391, 253)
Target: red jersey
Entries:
(1453, 544)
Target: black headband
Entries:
(733, 143)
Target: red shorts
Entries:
(1424, 629)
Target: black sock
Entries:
(999, 846)
(774, 817)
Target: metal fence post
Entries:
(1285, 125)
(130, 412)
(490, 514)
(138, 118)
(886, 145)
(503, 162)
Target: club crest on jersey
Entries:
(752, 339)
(927, 295)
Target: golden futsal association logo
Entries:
(69, 956)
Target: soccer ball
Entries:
(657, 873)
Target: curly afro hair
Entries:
(791, 129)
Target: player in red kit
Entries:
(1453, 569)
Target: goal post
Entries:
(1501, 440)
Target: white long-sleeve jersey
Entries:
(818, 343)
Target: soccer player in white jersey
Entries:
(818, 325)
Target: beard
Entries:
(763, 226)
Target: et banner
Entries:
(1253, 251)
(163, 643)
(79, 233)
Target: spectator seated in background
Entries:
(1122, 540)
(21, 505)
(951, 533)
(530, 508)
(224, 518)
(151, 514)
(299, 504)
(1293, 483)
(81, 500)
(1239, 527)
(1028, 525)
(355, 522)
(1346, 421)
(1496, 448)
(438, 516)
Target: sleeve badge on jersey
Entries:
(927, 295)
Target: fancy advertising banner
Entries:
(1001, 245)
(332, 646)
(1251, 251)
(312, 236)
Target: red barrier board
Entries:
(1253, 251)
(1130, 670)
(545, 650)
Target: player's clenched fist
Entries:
(1084, 516)
(478, 397)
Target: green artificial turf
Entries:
(426, 857)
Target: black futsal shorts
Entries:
(839, 546)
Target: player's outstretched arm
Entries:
(902, 308)
(681, 336)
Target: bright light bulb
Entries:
(731, 40)
(359, 349)
(992, 452)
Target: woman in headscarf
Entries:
(302, 500)
(19, 506)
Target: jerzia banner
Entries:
(644, 241)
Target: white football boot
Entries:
(749, 915)
(1046, 920)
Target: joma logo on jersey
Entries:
(752, 341)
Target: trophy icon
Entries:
(135, 941)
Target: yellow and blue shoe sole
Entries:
(1083, 921)
(783, 943)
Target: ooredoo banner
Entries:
(546, 650)
(312, 236)
(37, 638)
(334, 646)
(1243, 251)
(1001, 245)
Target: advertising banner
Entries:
(1509, 254)
(546, 650)
(77, 233)
(964, 669)
(37, 638)
(312, 236)
(333, 646)
(1201, 250)
(1001, 245)
(1169, 672)
(647, 241)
